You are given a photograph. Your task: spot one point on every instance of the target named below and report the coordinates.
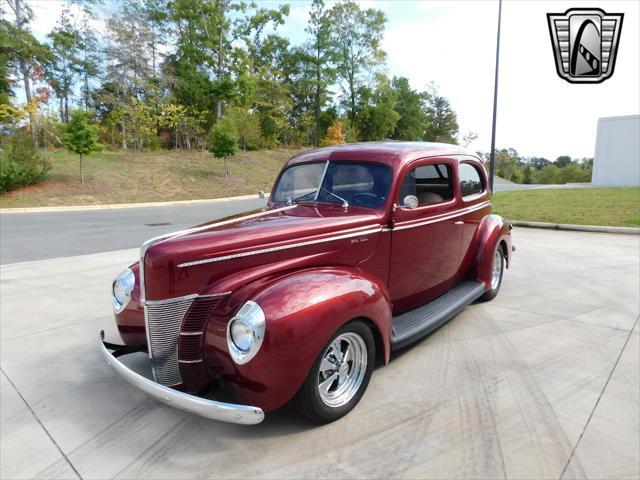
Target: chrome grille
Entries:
(164, 318)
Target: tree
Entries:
(27, 56)
(539, 162)
(548, 174)
(334, 135)
(508, 165)
(442, 120)
(469, 138)
(527, 174)
(247, 126)
(412, 121)
(80, 137)
(562, 161)
(62, 72)
(572, 173)
(89, 57)
(223, 140)
(356, 35)
(376, 118)
(128, 73)
(321, 57)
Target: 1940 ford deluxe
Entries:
(361, 250)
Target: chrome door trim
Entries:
(449, 216)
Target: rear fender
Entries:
(493, 231)
(303, 309)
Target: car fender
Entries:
(303, 309)
(493, 231)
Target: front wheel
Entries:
(496, 275)
(339, 376)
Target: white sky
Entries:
(453, 44)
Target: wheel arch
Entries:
(494, 231)
(303, 309)
(381, 357)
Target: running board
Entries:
(415, 324)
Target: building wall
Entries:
(616, 162)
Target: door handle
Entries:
(459, 222)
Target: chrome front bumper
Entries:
(224, 412)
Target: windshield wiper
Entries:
(291, 202)
(345, 204)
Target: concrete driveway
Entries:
(542, 382)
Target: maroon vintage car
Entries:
(362, 249)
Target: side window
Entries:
(430, 184)
(470, 181)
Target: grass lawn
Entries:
(580, 206)
(131, 177)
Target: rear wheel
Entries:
(496, 275)
(339, 376)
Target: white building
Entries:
(617, 158)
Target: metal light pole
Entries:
(495, 102)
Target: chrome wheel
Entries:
(342, 369)
(497, 269)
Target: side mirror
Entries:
(410, 201)
(261, 195)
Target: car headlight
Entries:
(245, 332)
(121, 290)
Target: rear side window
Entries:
(470, 181)
(430, 183)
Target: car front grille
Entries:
(164, 318)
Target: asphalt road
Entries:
(542, 382)
(36, 236)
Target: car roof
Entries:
(394, 154)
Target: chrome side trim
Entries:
(377, 229)
(186, 297)
(455, 214)
(224, 412)
(169, 301)
(190, 361)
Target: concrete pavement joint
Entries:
(599, 397)
(41, 424)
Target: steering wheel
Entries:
(365, 199)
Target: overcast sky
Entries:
(453, 44)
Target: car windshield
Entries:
(361, 184)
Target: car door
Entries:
(475, 203)
(425, 244)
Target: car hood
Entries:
(193, 260)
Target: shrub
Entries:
(20, 163)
